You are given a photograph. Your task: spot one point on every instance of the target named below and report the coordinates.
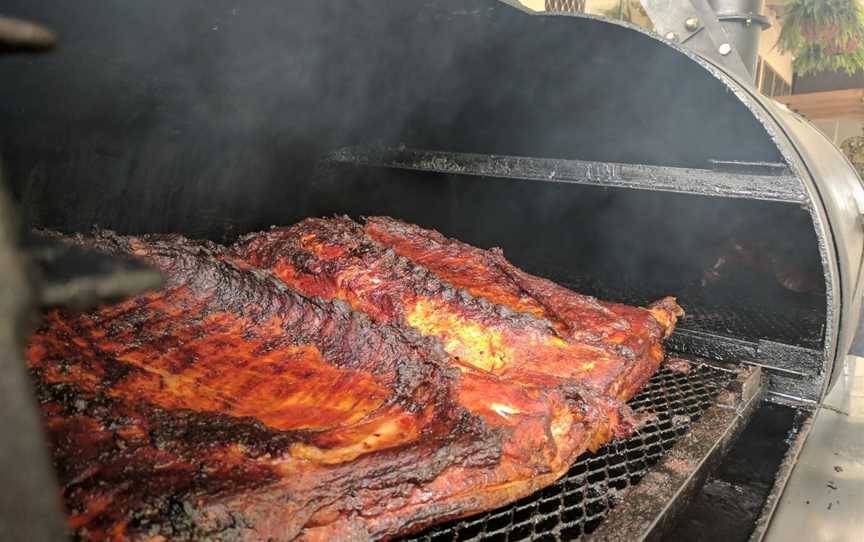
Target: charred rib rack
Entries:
(227, 402)
(498, 319)
(232, 402)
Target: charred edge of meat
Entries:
(174, 429)
(181, 514)
(344, 231)
(139, 451)
(494, 258)
(229, 284)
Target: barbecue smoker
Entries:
(608, 159)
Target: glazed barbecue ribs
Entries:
(328, 381)
(492, 318)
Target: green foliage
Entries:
(824, 35)
(813, 58)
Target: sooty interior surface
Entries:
(729, 504)
(206, 118)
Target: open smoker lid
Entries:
(219, 128)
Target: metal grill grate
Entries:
(799, 326)
(774, 314)
(578, 503)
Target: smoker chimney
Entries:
(743, 22)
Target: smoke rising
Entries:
(209, 118)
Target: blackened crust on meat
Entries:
(227, 405)
(326, 248)
(226, 285)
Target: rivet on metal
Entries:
(671, 36)
(724, 49)
(691, 23)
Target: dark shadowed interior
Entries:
(211, 119)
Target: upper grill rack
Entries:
(578, 503)
(758, 180)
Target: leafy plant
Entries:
(824, 35)
(813, 58)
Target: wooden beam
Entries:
(848, 103)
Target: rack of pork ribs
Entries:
(328, 381)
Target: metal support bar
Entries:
(29, 499)
(78, 278)
(792, 373)
(651, 507)
(726, 180)
(16, 34)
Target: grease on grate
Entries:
(578, 502)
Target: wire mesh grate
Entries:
(795, 325)
(773, 313)
(579, 501)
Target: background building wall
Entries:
(780, 62)
(536, 5)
